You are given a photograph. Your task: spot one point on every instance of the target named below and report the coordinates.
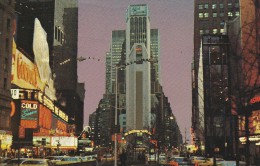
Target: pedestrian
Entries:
(123, 158)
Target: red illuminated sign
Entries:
(29, 123)
(45, 117)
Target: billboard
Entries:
(29, 114)
(64, 141)
(45, 117)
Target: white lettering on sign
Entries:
(15, 93)
(29, 105)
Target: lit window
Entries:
(200, 15)
(200, 6)
(215, 31)
(206, 6)
(221, 6)
(214, 15)
(206, 15)
(222, 30)
(214, 6)
(237, 13)
(230, 14)
(201, 32)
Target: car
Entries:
(88, 158)
(37, 162)
(107, 158)
(198, 159)
(177, 161)
(54, 159)
(232, 163)
(15, 161)
(210, 162)
(162, 159)
(69, 160)
(4, 160)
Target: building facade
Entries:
(7, 16)
(138, 81)
(209, 18)
(59, 19)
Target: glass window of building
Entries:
(237, 13)
(206, 6)
(206, 31)
(214, 14)
(206, 15)
(229, 5)
(6, 44)
(200, 6)
(5, 83)
(214, 6)
(221, 14)
(56, 32)
(200, 15)
(222, 30)
(236, 5)
(5, 64)
(214, 31)
(230, 14)
(8, 24)
(221, 5)
(201, 32)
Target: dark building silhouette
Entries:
(59, 18)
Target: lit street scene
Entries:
(130, 82)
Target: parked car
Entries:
(177, 161)
(37, 162)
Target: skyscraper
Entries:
(118, 38)
(209, 19)
(138, 76)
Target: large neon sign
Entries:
(29, 110)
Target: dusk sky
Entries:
(173, 19)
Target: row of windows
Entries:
(215, 14)
(215, 6)
(7, 52)
(214, 31)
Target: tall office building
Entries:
(155, 53)
(138, 76)
(209, 18)
(7, 15)
(118, 38)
